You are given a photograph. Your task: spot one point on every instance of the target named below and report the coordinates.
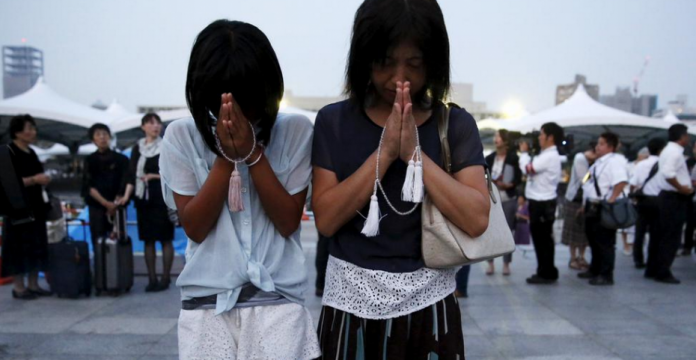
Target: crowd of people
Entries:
(110, 180)
(238, 174)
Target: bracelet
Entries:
(235, 161)
(256, 161)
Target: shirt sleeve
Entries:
(465, 142)
(671, 165)
(618, 170)
(176, 168)
(542, 162)
(324, 137)
(525, 159)
(298, 147)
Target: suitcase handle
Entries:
(119, 220)
(82, 222)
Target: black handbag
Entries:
(620, 214)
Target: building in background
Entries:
(563, 92)
(462, 94)
(142, 109)
(22, 66)
(680, 108)
(624, 100)
(644, 105)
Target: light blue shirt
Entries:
(244, 247)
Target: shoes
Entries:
(39, 292)
(460, 295)
(685, 252)
(162, 286)
(601, 281)
(152, 287)
(24, 295)
(640, 266)
(583, 263)
(575, 264)
(506, 272)
(537, 280)
(668, 280)
(649, 275)
(587, 275)
(319, 292)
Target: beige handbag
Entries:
(447, 246)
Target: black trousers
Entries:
(672, 207)
(690, 226)
(542, 215)
(602, 246)
(99, 224)
(322, 260)
(648, 222)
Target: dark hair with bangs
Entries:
(18, 123)
(611, 139)
(380, 25)
(150, 116)
(233, 57)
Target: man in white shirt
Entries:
(607, 179)
(676, 190)
(645, 189)
(543, 174)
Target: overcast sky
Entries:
(137, 51)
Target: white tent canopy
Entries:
(586, 119)
(59, 119)
(671, 118)
(117, 111)
(42, 102)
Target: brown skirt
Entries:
(431, 333)
(573, 225)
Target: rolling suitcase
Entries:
(113, 259)
(69, 273)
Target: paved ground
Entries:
(503, 318)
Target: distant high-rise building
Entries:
(644, 105)
(563, 92)
(624, 100)
(22, 66)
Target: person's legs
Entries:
(689, 233)
(652, 214)
(672, 216)
(167, 261)
(150, 258)
(18, 283)
(639, 243)
(491, 267)
(606, 246)
(591, 225)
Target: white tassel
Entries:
(234, 194)
(407, 190)
(418, 183)
(371, 227)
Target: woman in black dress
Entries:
(153, 216)
(25, 246)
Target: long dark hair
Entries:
(233, 57)
(381, 25)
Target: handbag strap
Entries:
(653, 171)
(442, 129)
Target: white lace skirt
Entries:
(256, 333)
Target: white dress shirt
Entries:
(543, 174)
(673, 165)
(608, 171)
(641, 173)
(580, 168)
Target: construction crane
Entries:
(636, 80)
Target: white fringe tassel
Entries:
(418, 179)
(371, 227)
(407, 190)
